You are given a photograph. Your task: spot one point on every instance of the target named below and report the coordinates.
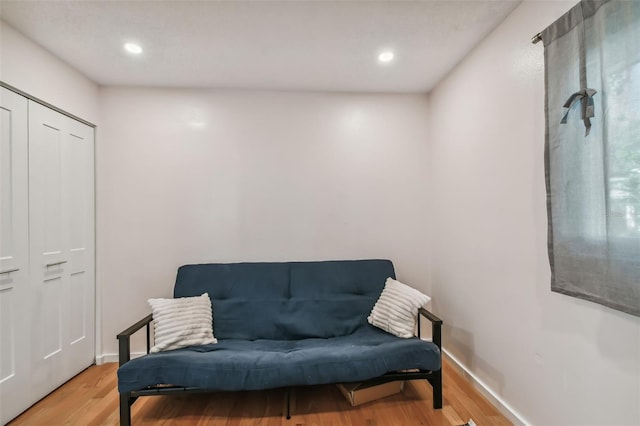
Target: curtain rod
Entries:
(536, 38)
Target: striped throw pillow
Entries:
(397, 308)
(182, 322)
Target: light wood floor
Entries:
(91, 398)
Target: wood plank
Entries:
(91, 398)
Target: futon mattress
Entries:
(234, 364)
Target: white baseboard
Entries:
(508, 411)
(105, 358)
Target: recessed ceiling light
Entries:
(133, 48)
(385, 57)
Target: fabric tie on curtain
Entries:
(586, 96)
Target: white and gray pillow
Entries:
(182, 322)
(397, 308)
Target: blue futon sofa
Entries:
(282, 325)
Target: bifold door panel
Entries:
(15, 319)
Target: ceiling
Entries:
(271, 45)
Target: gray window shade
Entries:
(592, 156)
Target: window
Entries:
(624, 156)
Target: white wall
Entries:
(555, 359)
(30, 68)
(187, 176)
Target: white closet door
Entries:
(15, 394)
(61, 220)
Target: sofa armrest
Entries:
(124, 339)
(436, 326)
